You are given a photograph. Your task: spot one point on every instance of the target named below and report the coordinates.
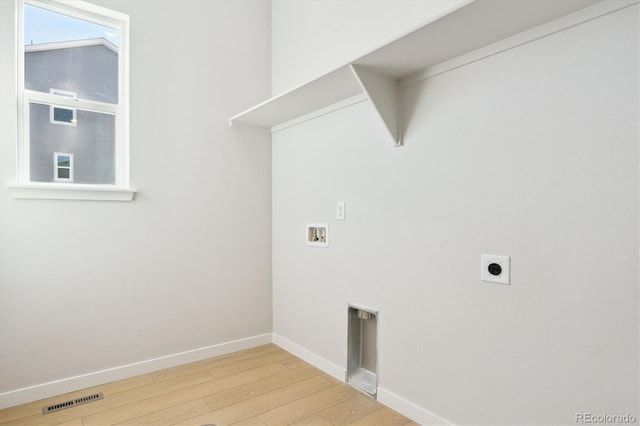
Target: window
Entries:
(59, 115)
(73, 105)
(62, 167)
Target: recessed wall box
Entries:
(317, 235)
(362, 349)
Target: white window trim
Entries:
(57, 167)
(74, 191)
(68, 94)
(121, 190)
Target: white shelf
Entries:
(376, 74)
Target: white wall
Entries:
(312, 37)
(531, 153)
(87, 286)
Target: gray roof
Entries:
(71, 43)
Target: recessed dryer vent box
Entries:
(317, 235)
(362, 349)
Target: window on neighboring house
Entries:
(62, 167)
(59, 115)
(72, 97)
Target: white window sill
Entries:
(71, 192)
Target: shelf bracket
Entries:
(383, 93)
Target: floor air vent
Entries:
(72, 403)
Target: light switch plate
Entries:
(340, 210)
(495, 269)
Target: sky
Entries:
(44, 26)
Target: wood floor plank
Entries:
(247, 364)
(253, 421)
(74, 422)
(351, 410)
(315, 420)
(334, 380)
(305, 407)
(170, 415)
(214, 362)
(143, 407)
(259, 387)
(383, 416)
(295, 363)
(254, 406)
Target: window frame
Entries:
(120, 190)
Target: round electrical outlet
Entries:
(494, 269)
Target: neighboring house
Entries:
(72, 145)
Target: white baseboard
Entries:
(316, 360)
(391, 400)
(96, 378)
(409, 409)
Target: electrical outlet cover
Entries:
(495, 269)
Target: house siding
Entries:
(91, 142)
(90, 71)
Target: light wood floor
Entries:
(258, 386)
